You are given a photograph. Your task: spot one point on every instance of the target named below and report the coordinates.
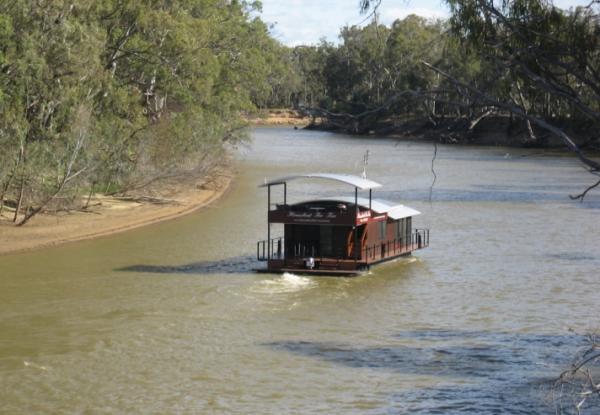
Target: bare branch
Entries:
(435, 149)
(488, 100)
(581, 196)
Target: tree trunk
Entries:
(476, 121)
(11, 177)
(87, 202)
(20, 198)
(32, 212)
(532, 136)
(5, 190)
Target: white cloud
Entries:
(567, 4)
(388, 15)
(307, 21)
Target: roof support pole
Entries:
(355, 227)
(268, 224)
(370, 192)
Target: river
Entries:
(170, 318)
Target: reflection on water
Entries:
(170, 319)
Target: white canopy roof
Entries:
(380, 206)
(355, 181)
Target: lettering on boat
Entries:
(312, 217)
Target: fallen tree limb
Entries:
(582, 195)
(356, 121)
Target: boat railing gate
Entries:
(278, 250)
(263, 253)
(392, 247)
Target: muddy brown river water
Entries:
(170, 319)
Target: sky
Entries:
(304, 22)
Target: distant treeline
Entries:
(523, 59)
(110, 95)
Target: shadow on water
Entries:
(491, 195)
(479, 372)
(573, 256)
(242, 265)
(233, 265)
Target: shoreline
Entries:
(279, 117)
(110, 216)
(493, 131)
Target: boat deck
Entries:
(305, 271)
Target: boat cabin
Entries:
(341, 235)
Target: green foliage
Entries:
(527, 55)
(374, 64)
(546, 57)
(115, 92)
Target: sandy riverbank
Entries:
(280, 117)
(110, 215)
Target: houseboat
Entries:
(341, 235)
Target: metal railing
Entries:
(277, 249)
(270, 249)
(398, 246)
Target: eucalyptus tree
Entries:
(115, 94)
(536, 61)
(310, 62)
(547, 57)
(376, 73)
(50, 75)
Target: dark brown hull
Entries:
(329, 266)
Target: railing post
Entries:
(354, 224)
(268, 221)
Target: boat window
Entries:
(403, 228)
(326, 240)
(382, 229)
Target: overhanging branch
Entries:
(593, 165)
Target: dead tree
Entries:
(69, 174)
(577, 389)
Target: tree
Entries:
(376, 73)
(576, 389)
(536, 62)
(103, 94)
(546, 56)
